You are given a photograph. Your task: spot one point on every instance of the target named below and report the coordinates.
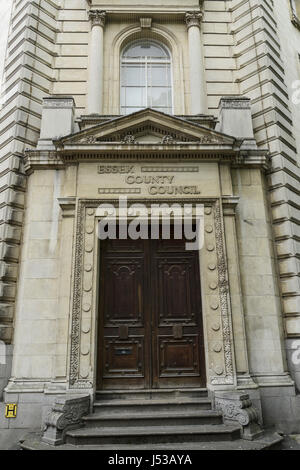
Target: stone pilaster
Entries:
(197, 76)
(95, 81)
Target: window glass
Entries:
(146, 78)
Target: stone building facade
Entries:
(212, 109)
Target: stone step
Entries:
(155, 418)
(269, 441)
(151, 394)
(152, 434)
(161, 405)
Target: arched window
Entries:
(146, 77)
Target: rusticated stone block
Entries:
(13, 216)
(6, 311)
(10, 233)
(8, 271)
(6, 333)
(9, 252)
(7, 291)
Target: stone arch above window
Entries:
(161, 35)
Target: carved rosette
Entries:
(97, 17)
(193, 18)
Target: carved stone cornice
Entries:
(193, 18)
(97, 17)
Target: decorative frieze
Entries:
(168, 169)
(119, 191)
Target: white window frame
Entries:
(145, 63)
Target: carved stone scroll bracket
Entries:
(237, 407)
(66, 414)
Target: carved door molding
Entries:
(215, 296)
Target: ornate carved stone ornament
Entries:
(97, 17)
(193, 18)
(89, 140)
(227, 376)
(237, 407)
(168, 140)
(67, 413)
(129, 139)
(207, 139)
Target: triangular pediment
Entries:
(146, 127)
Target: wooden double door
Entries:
(150, 319)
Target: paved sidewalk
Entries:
(291, 442)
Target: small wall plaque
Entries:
(11, 410)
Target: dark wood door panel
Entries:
(178, 357)
(124, 327)
(175, 299)
(120, 356)
(150, 325)
(124, 289)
